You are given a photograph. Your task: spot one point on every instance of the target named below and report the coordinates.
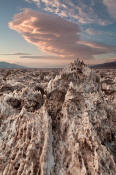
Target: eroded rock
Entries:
(58, 125)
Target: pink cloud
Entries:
(93, 32)
(54, 35)
(111, 6)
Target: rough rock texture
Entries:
(57, 123)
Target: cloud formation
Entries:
(111, 6)
(43, 57)
(17, 54)
(54, 35)
(82, 11)
(95, 32)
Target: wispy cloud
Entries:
(95, 32)
(43, 57)
(79, 11)
(17, 54)
(111, 6)
(54, 35)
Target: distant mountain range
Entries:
(110, 65)
(6, 65)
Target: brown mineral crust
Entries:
(58, 123)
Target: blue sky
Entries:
(44, 33)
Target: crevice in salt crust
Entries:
(47, 159)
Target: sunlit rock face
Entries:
(56, 123)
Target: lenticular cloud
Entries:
(53, 34)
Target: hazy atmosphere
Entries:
(52, 33)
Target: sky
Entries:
(52, 33)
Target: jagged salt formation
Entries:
(63, 129)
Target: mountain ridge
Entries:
(108, 65)
(7, 65)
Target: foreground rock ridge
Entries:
(57, 123)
